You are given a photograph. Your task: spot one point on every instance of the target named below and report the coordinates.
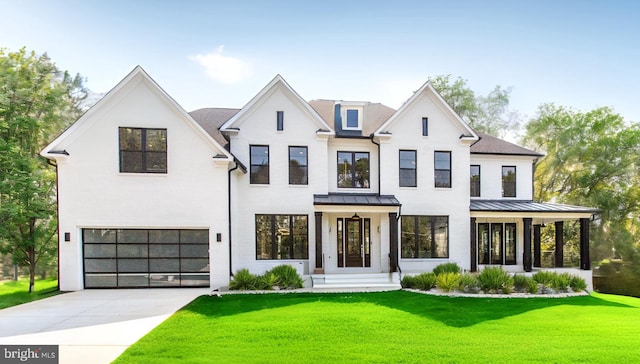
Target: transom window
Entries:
(475, 181)
(259, 160)
(143, 150)
(442, 169)
(298, 166)
(497, 243)
(424, 237)
(353, 169)
(408, 168)
(508, 181)
(282, 237)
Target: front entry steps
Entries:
(378, 281)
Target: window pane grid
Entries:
(475, 181)
(143, 150)
(259, 164)
(353, 169)
(280, 237)
(424, 237)
(442, 169)
(408, 168)
(508, 181)
(298, 166)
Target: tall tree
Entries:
(489, 113)
(37, 101)
(592, 159)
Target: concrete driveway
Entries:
(92, 326)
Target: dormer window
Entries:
(351, 118)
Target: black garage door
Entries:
(124, 258)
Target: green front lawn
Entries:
(16, 292)
(394, 327)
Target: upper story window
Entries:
(353, 169)
(425, 126)
(259, 159)
(143, 150)
(475, 181)
(408, 168)
(279, 120)
(298, 166)
(351, 117)
(508, 181)
(442, 169)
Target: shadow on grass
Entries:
(452, 311)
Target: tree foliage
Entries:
(36, 102)
(489, 113)
(592, 159)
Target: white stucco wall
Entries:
(491, 175)
(426, 199)
(258, 127)
(93, 193)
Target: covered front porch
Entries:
(508, 233)
(355, 238)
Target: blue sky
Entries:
(583, 54)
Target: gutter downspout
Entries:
(378, 145)
(229, 211)
(49, 162)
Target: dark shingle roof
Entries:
(211, 119)
(526, 206)
(492, 145)
(357, 199)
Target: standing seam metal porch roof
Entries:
(526, 206)
(355, 199)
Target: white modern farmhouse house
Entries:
(349, 193)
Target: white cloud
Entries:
(228, 70)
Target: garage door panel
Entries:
(100, 265)
(145, 257)
(100, 250)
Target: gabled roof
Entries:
(374, 114)
(468, 132)
(138, 74)
(492, 145)
(277, 81)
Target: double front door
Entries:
(354, 242)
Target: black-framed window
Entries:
(508, 181)
(408, 168)
(497, 243)
(475, 181)
(424, 237)
(143, 150)
(280, 120)
(282, 237)
(353, 169)
(298, 166)
(442, 169)
(425, 126)
(259, 160)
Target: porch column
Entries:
(526, 257)
(585, 259)
(536, 246)
(559, 244)
(393, 242)
(473, 247)
(319, 266)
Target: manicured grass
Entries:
(16, 292)
(394, 327)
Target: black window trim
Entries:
(143, 146)
(425, 126)
(279, 120)
(415, 167)
(252, 165)
(478, 183)
(273, 253)
(435, 170)
(353, 168)
(306, 166)
(432, 231)
(503, 243)
(515, 181)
